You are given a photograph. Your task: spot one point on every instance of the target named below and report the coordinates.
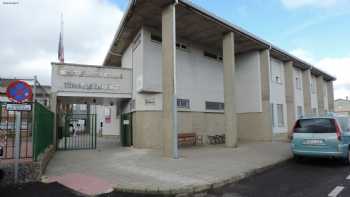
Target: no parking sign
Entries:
(19, 91)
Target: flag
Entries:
(60, 44)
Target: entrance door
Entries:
(77, 131)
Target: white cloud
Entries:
(336, 66)
(292, 4)
(303, 54)
(29, 37)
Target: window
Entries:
(183, 103)
(315, 125)
(280, 116)
(298, 83)
(313, 85)
(181, 46)
(156, 38)
(314, 111)
(83, 107)
(276, 71)
(214, 105)
(212, 56)
(299, 111)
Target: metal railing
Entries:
(7, 133)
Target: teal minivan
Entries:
(321, 137)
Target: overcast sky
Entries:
(314, 30)
(30, 32)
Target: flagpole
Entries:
(60, 43)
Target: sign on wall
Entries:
(86, 79)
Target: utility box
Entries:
(126, 130)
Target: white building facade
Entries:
(222, 79)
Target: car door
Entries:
(345, 125)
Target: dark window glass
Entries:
(156, 38)
(315, 125)
(214, 105)
(183, 103)
(210, 55)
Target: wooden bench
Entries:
(187, 138)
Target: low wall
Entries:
(27, 170)
(147, 126)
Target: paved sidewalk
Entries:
(129, 169)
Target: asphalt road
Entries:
(308, 178)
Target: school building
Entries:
(221, 78)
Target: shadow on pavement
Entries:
(320, 162)
(37, 189)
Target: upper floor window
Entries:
(212, 56)
(298, 82)
(276, 71)
(156, 38)
(181, 46)
(313, 85)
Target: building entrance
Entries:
(89, 101)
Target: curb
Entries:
(188, 190)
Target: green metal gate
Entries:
(76, 131)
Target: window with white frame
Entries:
(183, 103)
(298, 82)
(276, 71)
(299, 111)
(280, 115)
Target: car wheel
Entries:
(297, 158)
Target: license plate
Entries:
(313, 142)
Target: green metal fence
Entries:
(43, 129)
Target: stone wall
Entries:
(27, 170)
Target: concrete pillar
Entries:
(53, 108)
(290, 87)
(330, 93)
(307, 91)
(266, 115)
(169, 82)
(320, 94)
(229, 89)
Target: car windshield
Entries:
(315, 125)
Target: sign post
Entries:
(17, 143)
(18, 91)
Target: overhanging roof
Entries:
(193, 24)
